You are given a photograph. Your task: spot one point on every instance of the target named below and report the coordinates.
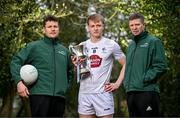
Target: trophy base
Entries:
(84, 73)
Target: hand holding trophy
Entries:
(83, 70)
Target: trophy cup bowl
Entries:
(77, 50)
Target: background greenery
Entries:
(21, 22)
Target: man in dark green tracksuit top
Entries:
(145, 63)
(55, 71)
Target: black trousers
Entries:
(47, 106)
(143, 104)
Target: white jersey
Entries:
(101, 55)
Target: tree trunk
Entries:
(7, 102)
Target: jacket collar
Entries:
(50, 41)
(140, 36)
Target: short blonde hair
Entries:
(96, 18)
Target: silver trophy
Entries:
(83, 69)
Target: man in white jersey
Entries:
(95, 93)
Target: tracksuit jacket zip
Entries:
(53, 43)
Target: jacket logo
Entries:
(62, 52)
(144, 45)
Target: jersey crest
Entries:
(95, 61)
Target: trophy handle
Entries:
(72, 50)
(78, 70)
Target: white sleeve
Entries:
(117, 52)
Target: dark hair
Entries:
(136, 16)
(96, 18)
(50, 18)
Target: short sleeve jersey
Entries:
(101, 55)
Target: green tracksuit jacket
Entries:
(145, 63)
(52, 60)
